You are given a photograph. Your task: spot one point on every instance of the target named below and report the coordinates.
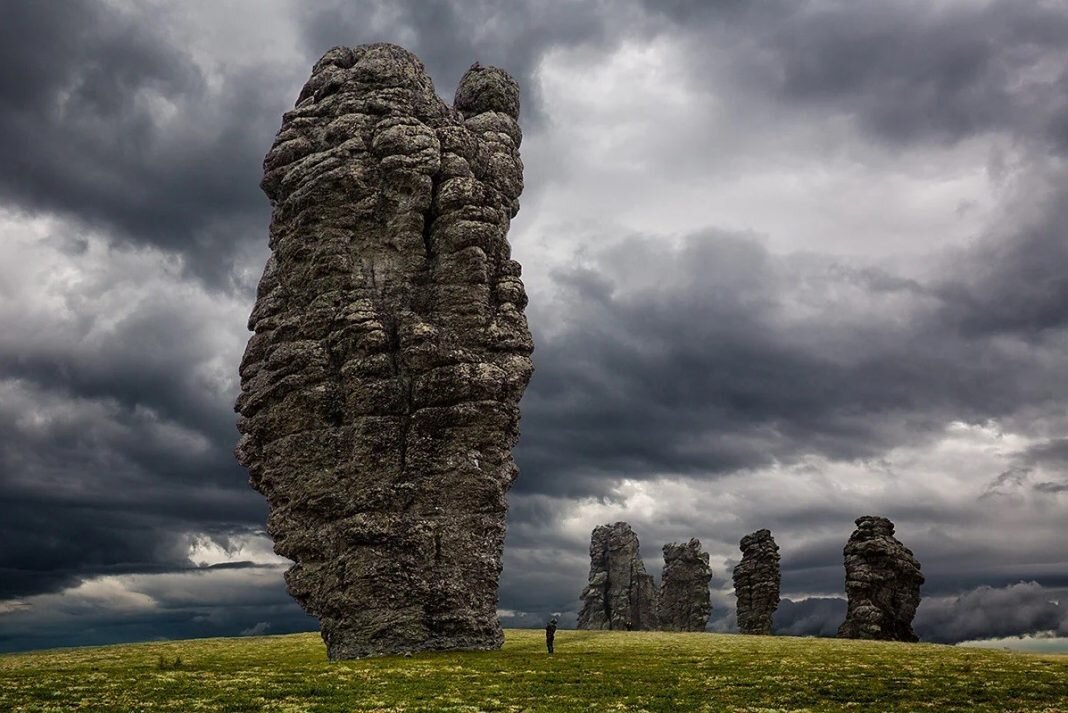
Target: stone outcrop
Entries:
(882, 583)
(619, 595)
(684, 603)
(380, 390)
(756, 582)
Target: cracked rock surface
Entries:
(380, 389)
(882, 583)
(756, 582)
(684, 603)
(619, 594)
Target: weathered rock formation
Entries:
(882, 583)
(379, 393)
(756, 582)
(619, 595)
(684, 603)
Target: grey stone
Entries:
(619, 594)
(684, 603)
(380, 389)
(882, 583)
(756, 582)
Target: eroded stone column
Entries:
(684, 603)
(380, 389)
(882, 583)
(620, 594)
(756, 582)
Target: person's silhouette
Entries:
(550, 634)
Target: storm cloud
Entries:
(1020, 609)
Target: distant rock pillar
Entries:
(684, 603)
(756, 582)
(619, 595)
(882, 583)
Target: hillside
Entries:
(633, 671)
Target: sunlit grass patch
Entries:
(609, 671)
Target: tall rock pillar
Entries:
(882, 583)
(756, 582)
(684, 603)
(380, 389)
(620, 594)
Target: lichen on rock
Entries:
(684, 603)
(620, 594)
(882, 583)
(756, 582)
(380, 389)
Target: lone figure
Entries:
(550, 634)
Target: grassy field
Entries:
(610, 671)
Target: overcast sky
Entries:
(789, 263)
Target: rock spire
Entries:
(380, 389)
(684, 603)
(756, 582)
(882, 583)
(619, 595)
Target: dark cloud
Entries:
(59, 545)
(689, 360)
(915, 71)
(178, 605)
(905, 71)
(981, 613)
(540, 578)
(110, 121)
(987, 613)
(1014, 280)
(1053, 452)
(449, 36)
(108, 465)
(105, 119)
(816, 616)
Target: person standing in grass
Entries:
(550, 634)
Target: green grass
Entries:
(610, 671)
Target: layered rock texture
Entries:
(882, 583)
(379, 393)
(756, 582)
(619, 595)
(684, 603)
